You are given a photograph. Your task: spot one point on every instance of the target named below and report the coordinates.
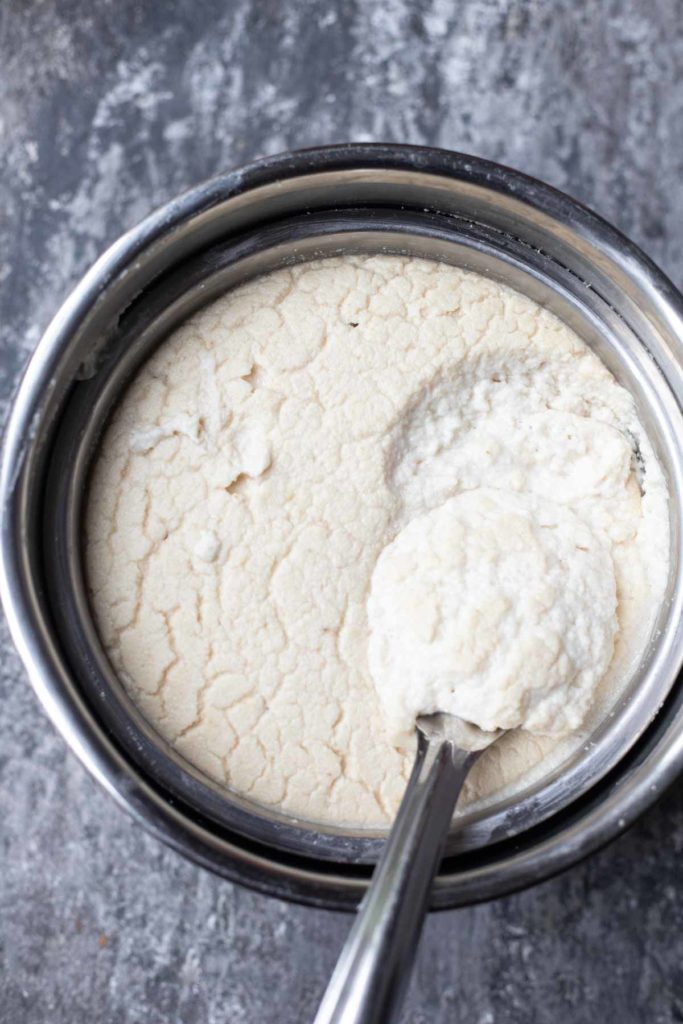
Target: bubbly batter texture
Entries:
(292, 437)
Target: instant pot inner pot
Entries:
(174, 277)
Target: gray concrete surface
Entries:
(108, 108)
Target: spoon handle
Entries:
(373, 968)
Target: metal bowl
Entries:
(352, 198)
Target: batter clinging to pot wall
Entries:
(278, 443)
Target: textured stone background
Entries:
(110, 107)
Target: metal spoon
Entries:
(374, 966)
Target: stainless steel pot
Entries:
(280, 210)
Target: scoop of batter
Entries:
(497, 607)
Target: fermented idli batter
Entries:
(352, 447)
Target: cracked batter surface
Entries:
(272, 448)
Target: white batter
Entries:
(498, 607)
(357, 416)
